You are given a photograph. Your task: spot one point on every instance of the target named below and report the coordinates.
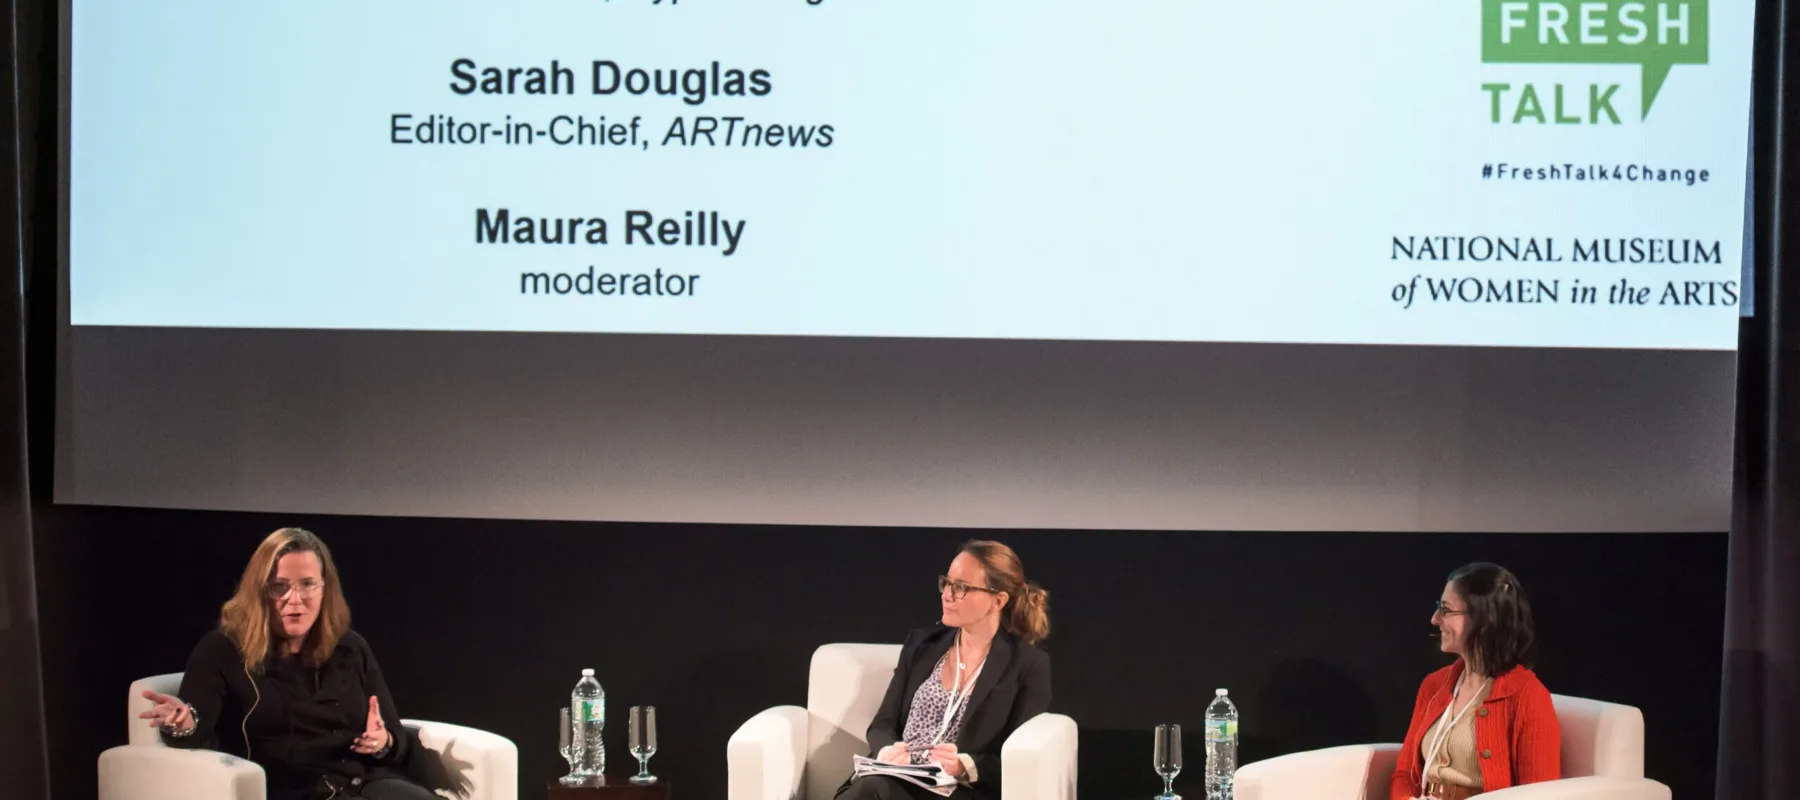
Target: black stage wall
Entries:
(1322, 637)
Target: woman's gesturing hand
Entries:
(169, 712)
(375, 736)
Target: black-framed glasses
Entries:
(1444, 610)
(307, 587)
(959, 590)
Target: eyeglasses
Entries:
(308, 587)
(1444, 610)
(958, 589)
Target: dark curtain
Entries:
(24, 770)
(1759, 726)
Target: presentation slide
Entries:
(1536, 173)
(1399, 265)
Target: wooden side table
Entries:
(610, 788)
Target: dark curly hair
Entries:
(1500, 635)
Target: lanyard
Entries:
(1437, 746)
(957, 696)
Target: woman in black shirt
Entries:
(284, 682)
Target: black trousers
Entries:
(385, 784)
(386, 788)
(882, 787)
(392, 789)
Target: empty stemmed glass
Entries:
(1168, 759)
(643, 741)
(568, 753)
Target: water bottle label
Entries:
(1221, 730)
(587, 710)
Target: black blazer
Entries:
(1013, 687)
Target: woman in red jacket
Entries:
(1485, 722)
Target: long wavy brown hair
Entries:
(249, 618)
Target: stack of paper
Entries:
(930, 776)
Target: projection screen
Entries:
(1295, 266)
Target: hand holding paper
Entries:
(928, 776)
(944, 755)
(896, 753)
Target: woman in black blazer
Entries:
(962, 687)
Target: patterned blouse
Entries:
(927, 714)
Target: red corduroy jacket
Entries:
(1517, 737)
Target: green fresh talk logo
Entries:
(1654, 35)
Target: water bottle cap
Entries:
(1220, 692)
(588, 673)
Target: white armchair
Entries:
(1602, 759)
(789, 752)
(474, 765)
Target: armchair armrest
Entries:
(1593, 788)
(1037, 762)
(1351, 772)
(766, 757)
(146, 772)
(1382, 761)
(465, 762)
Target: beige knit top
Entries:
(1458, 761)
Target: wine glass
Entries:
(568, 751)
(1168, 759)
(643, 741)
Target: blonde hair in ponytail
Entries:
(1027, 612)
(1030, 616)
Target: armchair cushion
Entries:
(139, 731)
(1038, 760)
(463, 762)
(138, 772)
(1600, 738)
(455, 761)
(766, 756)
(789, 752)
(1350, 772)
(844, 687)
(1592, 788)
(1602, 759)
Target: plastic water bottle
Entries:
(587, 714)
(1221, 747)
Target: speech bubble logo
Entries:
(1654, 34)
